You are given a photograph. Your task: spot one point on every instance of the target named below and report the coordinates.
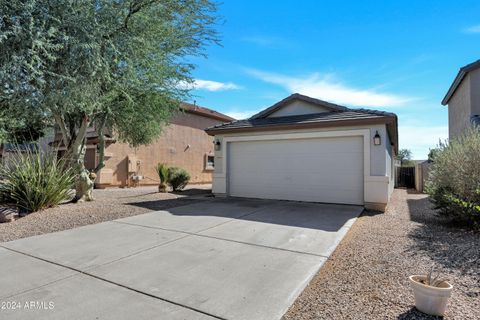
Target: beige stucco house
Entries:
(183, 143)
(463, 99)
(306, 149)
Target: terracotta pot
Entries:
(428, 299)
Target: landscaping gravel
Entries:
(367, 275)
(109, 204)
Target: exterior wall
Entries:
(475, 92)
(183, 143)
(298, 107)
(378, 181)
(459, 108)
(390, 165)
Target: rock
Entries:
(6, 216)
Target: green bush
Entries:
(454, 179)
(178, 178)
(32, 180)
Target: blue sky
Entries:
(398, 56)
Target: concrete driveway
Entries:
(214, 259)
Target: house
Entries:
(307, 149)
(463, 99)
(8, 150)
(183, 143)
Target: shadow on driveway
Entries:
(316, 216)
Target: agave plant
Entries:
(163, 173)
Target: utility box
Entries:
(132, 163)
(104, 178)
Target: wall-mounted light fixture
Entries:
(377, 140)
(217, 144)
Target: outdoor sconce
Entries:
(376, 139)
(217, 145)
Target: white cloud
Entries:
(209, 85)
(419, 139)
(239, 114)
(325, 87)
(472, 29)
(215, 85)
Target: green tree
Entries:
(116, 65)
(405, 157)
(433, 153)
(21, 130)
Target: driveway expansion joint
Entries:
(108, 281)
(223, 239)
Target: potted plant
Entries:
(163, 172)
(431, 293)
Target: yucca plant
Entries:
(162, 171)
(32, 180)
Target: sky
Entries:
(396, 56)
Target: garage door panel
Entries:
(321, 169)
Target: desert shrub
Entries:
(162, 171)
(454, 179)
(33, 180)
(178, 178)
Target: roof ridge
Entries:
(204, 110)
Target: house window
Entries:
(209, 162)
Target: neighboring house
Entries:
(7, 150)
(463, 100)
(308, 150)
(183, 143)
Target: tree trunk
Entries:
(84, 185)
(75, 143)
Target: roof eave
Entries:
(207, 115)
(320, 124)
(453, 87)
(458, 79)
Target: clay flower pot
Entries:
(428, 299)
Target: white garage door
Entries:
(320, 170)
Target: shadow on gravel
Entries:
(413, 313)
(193, 192)
(157, 205)
(452, 249)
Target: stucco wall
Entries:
(390, 158)
(378, 183)
(475, 92)
(183, 143)
(297, 107)
(459, 108)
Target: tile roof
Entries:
(192, 108)
(360, 114)
(337, 113)
(338, 116)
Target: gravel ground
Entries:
(109, 204)
(367, 275)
